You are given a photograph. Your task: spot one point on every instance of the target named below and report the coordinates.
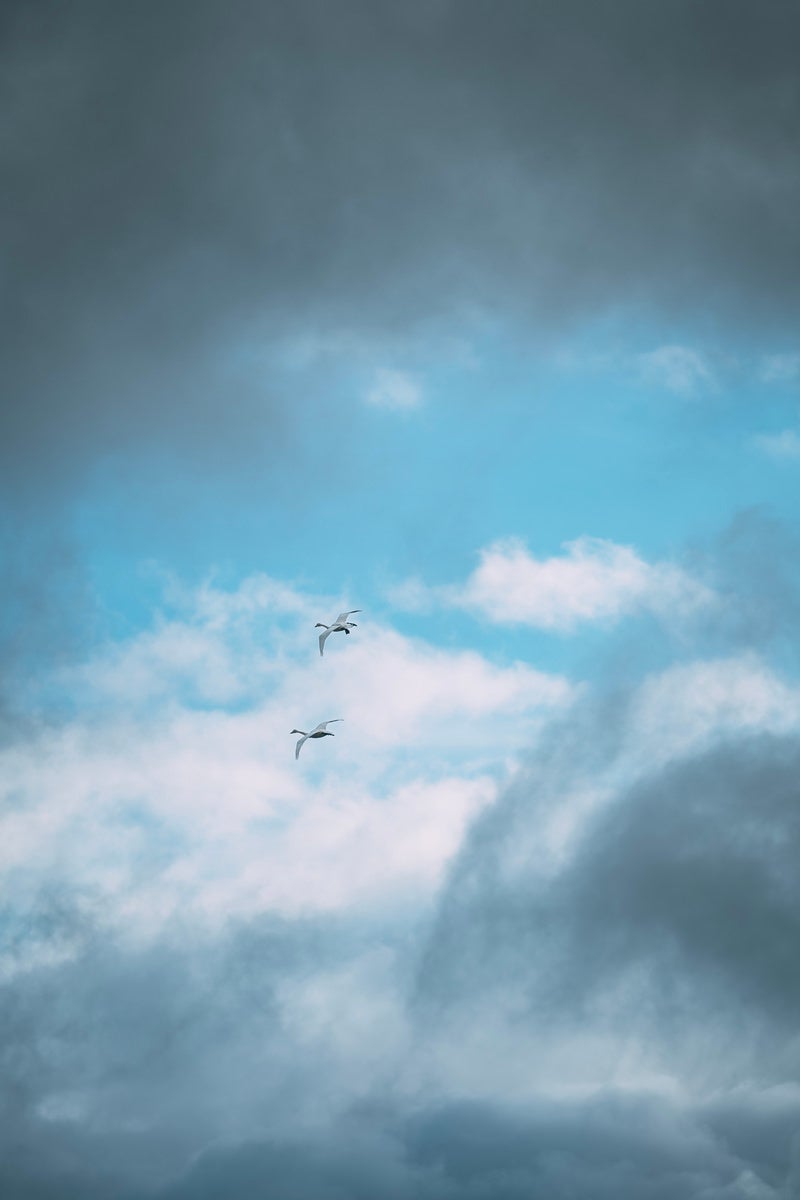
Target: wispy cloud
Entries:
(685, 371)
(780, 368)
(394, 389)
(679, 369)
(780, 445)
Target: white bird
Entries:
(318, 732)
(340, 625)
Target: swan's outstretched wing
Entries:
(322, 637)
(304, 738)
(342, 617)
(321, 728)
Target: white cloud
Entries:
(679, 710)
(780, 445)
(174, 790)
(174, 659)
(595, 580)
(679, 369)
(394, 389)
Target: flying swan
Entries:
(318, 732)
(340, 625)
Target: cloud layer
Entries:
(190, 188)
(417, 961)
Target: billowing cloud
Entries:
(180, 740)
(594, 580)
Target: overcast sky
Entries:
(483, 319)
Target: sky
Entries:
(481, 319)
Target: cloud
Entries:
(780, 445)
(678, 369)
(138, 1068)
(606, 1147)
(394, 389)
(626, 911)
(176, 744)
(595, 580)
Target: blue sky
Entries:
(482, 321)
(495, 439)
(542, 445)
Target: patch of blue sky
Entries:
(510, 441)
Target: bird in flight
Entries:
(340, 625)
(318, 732)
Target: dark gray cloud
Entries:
(754, 566)
(671, 929)
(685, 882)
(120, 1064)
(611, 1147)
(184, 177)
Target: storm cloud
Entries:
(686, 883)
(186, 181)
